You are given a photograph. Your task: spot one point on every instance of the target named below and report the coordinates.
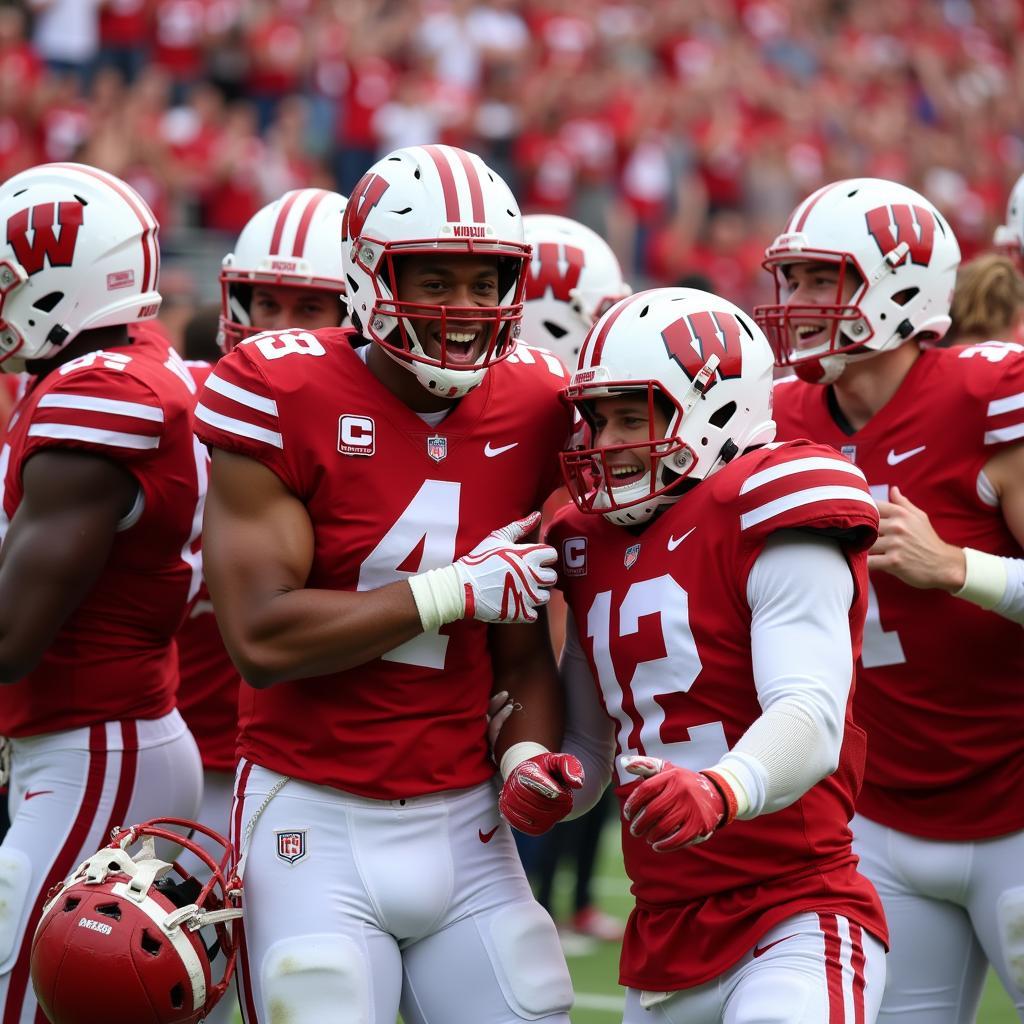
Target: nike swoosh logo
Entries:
(761, 950)
(894, 460)
(674, 542)
(37, 792)
(486, 837)
(490, 452)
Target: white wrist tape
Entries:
(985, 581)
(439, 596)
(517, 754)
(994, 582)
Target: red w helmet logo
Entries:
(365, 197)
(45, 244)
(692, 340)
(547, 271)
(901, 222)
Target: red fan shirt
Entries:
(114, 657)
(939, 685)
(663, 618)
(388, 496)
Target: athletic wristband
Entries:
(517, 754)
(439, 596)
(985, 579)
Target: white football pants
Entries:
(68, 790)
(953, 908)
(356, 908)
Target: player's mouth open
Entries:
(809, 335)
(622, 475)
(460, 346)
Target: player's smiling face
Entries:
(625, 420)
(816, 284)
(456, 281)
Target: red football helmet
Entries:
(121, 937)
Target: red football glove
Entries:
(538, 792)
(674, 807)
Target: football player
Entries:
(103, 485)
(1009, 237)
(864, 270)
(371, 588)
(285, 270)
(717, 589)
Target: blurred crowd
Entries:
(683, 132)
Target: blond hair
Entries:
(988, 300)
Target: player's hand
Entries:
(538, 792)
(499, 708)
(505, 580)
(673, 807)
(909, 548)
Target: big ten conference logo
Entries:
(356, 435)
(574, 556)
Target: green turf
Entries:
(599, 998)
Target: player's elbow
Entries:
(259, 665)
(15, 665)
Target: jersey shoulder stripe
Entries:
(236, 400)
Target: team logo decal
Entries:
(694, 338)
(632, 554)
(366, 195)
(901, 223)
(45, 244)
(574, 556)
(554, 271)
(437, 447)
(291, 845)
(356, 435)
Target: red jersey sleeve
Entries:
(238, 412)
(804, 486)
(98, 407)
(993, 374)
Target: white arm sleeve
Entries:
(799, 591)
(589, 732)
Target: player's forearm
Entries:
(995, 583)
(533, 686)
(304, 633)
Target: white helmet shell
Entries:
(705, 361)
(1009, 237)
(432, 199)
(293, 241)
(574, 278)
(904, 256)
(78, 251)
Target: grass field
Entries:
(598, 997)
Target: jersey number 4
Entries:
(637, 703)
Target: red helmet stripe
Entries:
(476, 192)
(594, 345)
(307, 215)
(282, 217)
(810, 203)
(150, 260)
(71, 853)
(444, 170)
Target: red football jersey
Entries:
(388, 496)
(208, 692)
(114, 657)
(664, 622)
(939, 686)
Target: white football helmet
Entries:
(702, 360)
(78, 250)
(1009, 237)
(574, 278)
(905, 257)
(439, 199)
(293, 241)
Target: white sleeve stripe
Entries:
(75, 432)
(90, 403)
(239, 427)
(808, 465)
(797, 499)
(241, 396)
(1004, 434)
(1008, 404)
